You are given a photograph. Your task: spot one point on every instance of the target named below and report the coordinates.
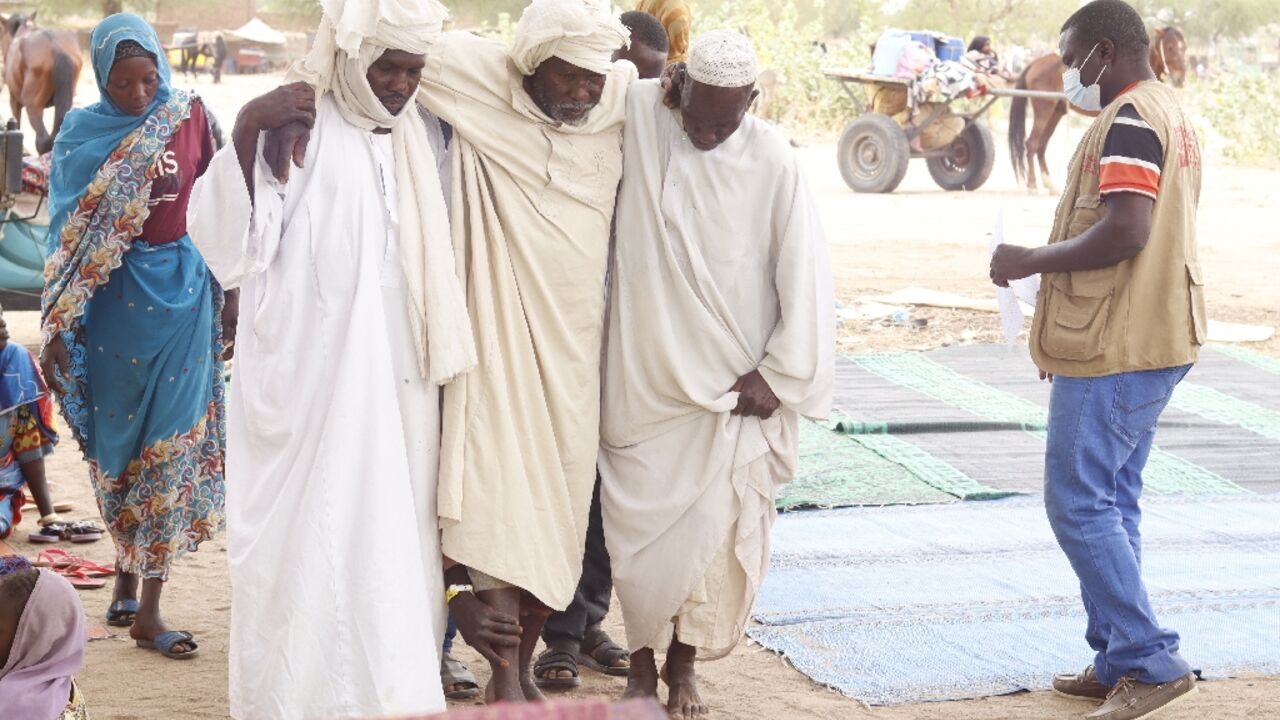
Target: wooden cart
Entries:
(890, 130)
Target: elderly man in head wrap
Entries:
(538, 156)
(539, 128)
(354, 318)
(720, 336)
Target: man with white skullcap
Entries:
(354, 317)
(720, 336)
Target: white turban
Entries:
(353, 34)
(584, 33)
(722, 58)
(351, 27)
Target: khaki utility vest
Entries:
(1145, 313)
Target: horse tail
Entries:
(64, 87)
(1018, 129)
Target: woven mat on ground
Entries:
(969, 423)
(909, 604)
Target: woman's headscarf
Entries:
(48, 650)
(979, 42)
(89, 134)
(675, 17)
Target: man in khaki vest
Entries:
(1119, 321)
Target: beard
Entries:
(571, 113)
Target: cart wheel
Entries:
(873, 154)
(967, 167)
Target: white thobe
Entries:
(533, 200)
(333, 438)
(720, 268)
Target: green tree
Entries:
(1212, 19)
(1005, 21)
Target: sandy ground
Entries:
(918, 236)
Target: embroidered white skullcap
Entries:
(722, 58)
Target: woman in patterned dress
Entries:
(133, 320)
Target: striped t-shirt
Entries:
(1132, 156)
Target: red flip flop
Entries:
(79, 579)
(55, 558)
(58, 559)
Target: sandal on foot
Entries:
(603, 654)
(164, 642)
(85, 531)
(556, 658)
(122, 613)
(51, 533)
(452, 674)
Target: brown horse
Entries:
(1169, 55)
(1168, 48)
(41, 69)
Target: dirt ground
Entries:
(919, 236)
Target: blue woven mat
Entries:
(909, 604)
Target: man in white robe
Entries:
(353, 317)
(720, 336)
(537, 160)
(538, 133)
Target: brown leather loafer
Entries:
(1083, 685)
(1133, 700)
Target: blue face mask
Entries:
(1085, 97)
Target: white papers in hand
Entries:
(1025, 290)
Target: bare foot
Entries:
(494, 694)
(642, 679)
(530, 688)
(683, 700)
(126, 586)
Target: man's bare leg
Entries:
(642, 678)
(683, 700)
(505, 684)
(533, 615)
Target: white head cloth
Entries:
(722, 58)
(584, 33)
(353, 34)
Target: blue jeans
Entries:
(1100, 434)
(450, 632)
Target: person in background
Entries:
(1119, 323)
(26, 438)
(135, 326)
(982, 59)
(42, 638)
(649, 44)
(677, 19)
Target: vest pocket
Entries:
(1195, 287)
(1087, 212)
(1077, 310)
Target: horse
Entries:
(192, 46)
(190, 50)
(41, 69)
(1169, 55)
(1168, 48)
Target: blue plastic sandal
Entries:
(116, 614)
(164, 642)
